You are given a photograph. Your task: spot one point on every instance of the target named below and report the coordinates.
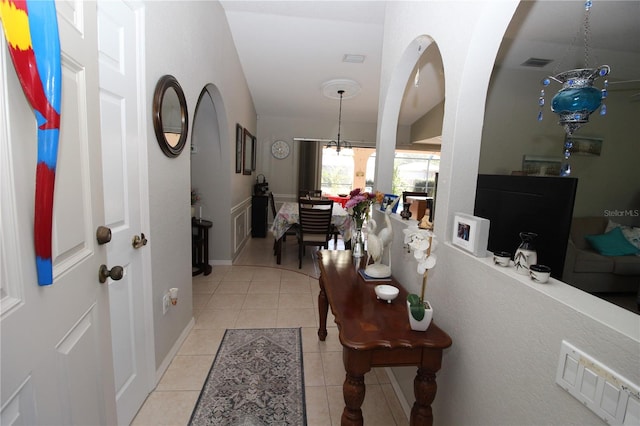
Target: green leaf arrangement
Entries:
(416, 307)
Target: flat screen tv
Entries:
(540, 204)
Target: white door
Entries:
(122, 128)
(56, 360)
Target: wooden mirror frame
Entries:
(165, 83)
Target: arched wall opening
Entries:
(390, 111)
(210, 170)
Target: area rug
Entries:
(256, 379)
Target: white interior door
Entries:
(56, 358)
(119, 43)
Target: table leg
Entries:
(424, 389)
(205, 261)
(323, 309)
(279, 250)
(353, 391)
(356, 364)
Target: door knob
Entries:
(139, 241)
(103, 235)
(116, 273)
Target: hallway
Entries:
(254, 293)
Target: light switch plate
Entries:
(609, 395)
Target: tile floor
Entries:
(253, 293)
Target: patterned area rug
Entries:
(256, 379)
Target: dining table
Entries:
(289, 216)
(342, 199)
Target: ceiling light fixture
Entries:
(578, 98)
(344, 144)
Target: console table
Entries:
(376, 334)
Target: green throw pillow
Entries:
(613, 243)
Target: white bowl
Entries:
(386, 292)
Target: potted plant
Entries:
(195, 197)
(422, 243)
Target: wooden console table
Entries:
(376, 334)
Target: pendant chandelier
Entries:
(577, 99)
(337, 143)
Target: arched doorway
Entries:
(211, 170)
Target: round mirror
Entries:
(170, 119)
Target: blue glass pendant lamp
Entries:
(577, 99)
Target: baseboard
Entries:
(174, 350)
(396, 388)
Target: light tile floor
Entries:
(254, 293)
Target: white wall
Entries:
(610, 181)
(506, 333)
(282, 175)
(190, 40)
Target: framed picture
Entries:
(253, 153)
(387, 200)
(471, 233)
(247, 149)
(239, 134)
(541, 166)
(586, 146)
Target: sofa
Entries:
(586, 268)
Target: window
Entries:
(355, 168)
(415, 171)
(337, 171)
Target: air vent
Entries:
(354, 59)
(536, 62)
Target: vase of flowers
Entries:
(359, 207)
(422, 243)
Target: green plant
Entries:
(421, 241)
(416, 306)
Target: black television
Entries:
(540, 204)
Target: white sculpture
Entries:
(376, 245)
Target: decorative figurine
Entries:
(377, 243)
(424, 223)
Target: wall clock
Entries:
(280, 149)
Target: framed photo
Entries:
(239, 134)
(387, 200)
(586, 146)
(247, 149)
(253, 153)
(541, 166)
(471, 233)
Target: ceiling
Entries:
(288, 49)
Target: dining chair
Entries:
(293, 230)
(317, 194)
(310, 193)
(314, 224)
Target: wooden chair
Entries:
(317, 194)
(291, 231)
(310, 193)
(315, 224)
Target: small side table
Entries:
(200, 246)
